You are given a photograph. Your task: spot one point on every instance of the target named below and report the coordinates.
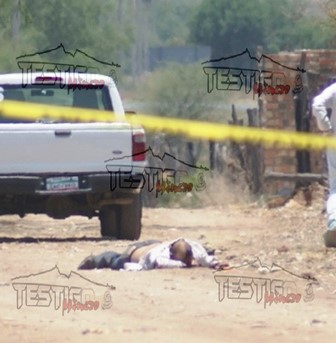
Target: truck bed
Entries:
(35, 148)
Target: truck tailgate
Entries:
(63, 147)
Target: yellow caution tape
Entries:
(174, 126)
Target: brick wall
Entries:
(279, 110)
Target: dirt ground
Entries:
(171, 305)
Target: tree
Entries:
(78, 24)
(229, 26)
(328, 8)
(169, 21)
(180, 91)
(303, 26)
(232, 26)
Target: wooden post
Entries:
(308, 177)
(302, 119)
(212, 155)
(235, 147)
(253, 156)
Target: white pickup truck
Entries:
(59, 168)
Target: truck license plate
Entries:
(62, 183)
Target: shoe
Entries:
(88, 263)
(330, 235)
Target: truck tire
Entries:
(129, 219)
(108, 221)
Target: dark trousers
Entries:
(112, 259)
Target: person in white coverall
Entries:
(321, 103)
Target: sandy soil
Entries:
(170, 305)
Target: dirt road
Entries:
(171, 305)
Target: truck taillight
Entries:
(138, 146)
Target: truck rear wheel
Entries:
(129, 219)
(108, 221)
